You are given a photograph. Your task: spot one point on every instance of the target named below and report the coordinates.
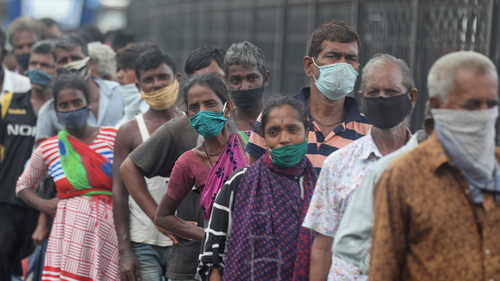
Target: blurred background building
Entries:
(418, 31)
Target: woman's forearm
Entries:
(179, 227)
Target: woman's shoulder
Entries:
(187, 159)
(107, 133)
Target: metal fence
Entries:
(417, 31)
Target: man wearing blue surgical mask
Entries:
(106, 102)
(331, 63)
(388, 95)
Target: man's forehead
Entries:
(389, 75)
(163, 68)
(243, 70)
(73, 51)
(335, 46)
(25, 36)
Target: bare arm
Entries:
(31, 197)
(129, 265)
(321, 257)
(166, 218)
(42, 230)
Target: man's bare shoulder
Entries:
(129, 134)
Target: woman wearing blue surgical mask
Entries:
(208, 166)
(266, 203)
(79, 159)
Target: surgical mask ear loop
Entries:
(318, 69)
(224, 109)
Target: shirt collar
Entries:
(350, 104)
(368, 147)
(371, 148)
(7, 81)
(436, 154)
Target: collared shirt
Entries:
(426, 226)
(355, 126)
(341, 175)
(110, 110)
(353, 240)
(14, 83)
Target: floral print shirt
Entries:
(340, 177)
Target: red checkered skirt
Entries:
(83, 244)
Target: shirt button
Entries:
(467, 191)
(487, 251)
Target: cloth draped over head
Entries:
(267, 240)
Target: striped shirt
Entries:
(353, 240)
(355, 126)
(46, 159)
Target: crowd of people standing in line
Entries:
(163, 177)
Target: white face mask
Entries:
(468, 137)
(335, 80)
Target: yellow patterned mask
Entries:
(163, 98)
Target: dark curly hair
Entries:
(335, 31)
(203, 57)
(151, 59)
(68, 80)
(127, 56)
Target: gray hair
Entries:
(388, 60)
(440, 80)
(26, 23)
(104, 56)
(246, 54)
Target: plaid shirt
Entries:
(355, 126)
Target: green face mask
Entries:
(208, 123)
(289, 155)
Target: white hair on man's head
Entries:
(104, 56)
(440, 80)
(384, 60)
(245, 54)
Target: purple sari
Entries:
(232, 158)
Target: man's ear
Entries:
(360, 93)
(435, 102)
(178, 77)
(308, 66)
(137, 85)
(268, 75)
(413, 96)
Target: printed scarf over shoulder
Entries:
(267, 241)
(88, 172)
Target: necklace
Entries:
(327, 125)
(208, 155)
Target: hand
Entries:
(129, 267)
(41, 232)
(50, 206)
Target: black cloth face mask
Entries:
(247, 99)
(385, 113)
(23, 60)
